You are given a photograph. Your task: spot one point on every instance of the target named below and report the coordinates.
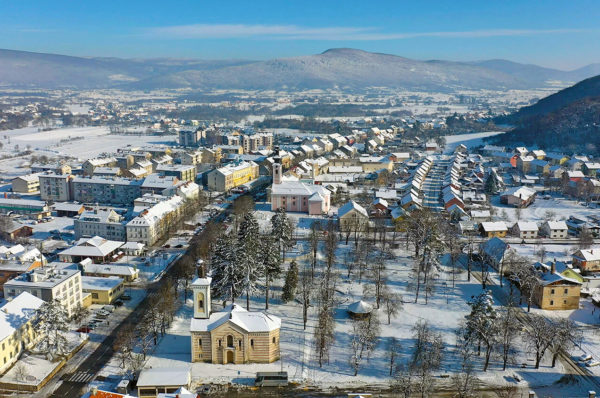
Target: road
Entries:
(432, 186)
(74, 383)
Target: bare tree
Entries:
(538, 336)
(393, 350)
(586, 239)
(427, 356)
(509, 329)
(392, 303)
(306, 291)
(403, 382)
(565, 335)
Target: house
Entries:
(98, 249)
(518, 196)
(480, 215)
(556, 291)
(26, 184)
(555, 229)
(492, 229)
(16, 231)
(352, 217)
(492, 251)
(17, 331)
(233, 335)
(17, 260)
(562, 268)
(155, 381)
(380, 207)
(525, 229)
(103, 290)
(232, 175)
(587, 260)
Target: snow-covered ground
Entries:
(469, 140)
(445, 310)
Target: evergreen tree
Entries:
(247, 255)
(270, 263)
(491, 186)
(291, 282)
(228, 277)
(54, 323)
(482, 324)
(281, 229)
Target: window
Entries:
(252, 343)
(219, 343)
(551, 302)
(566, 291)
(200, 343)
(551, 291)
(273, 340)
(230, 341)
(564, 301)
(240, 344)
(95, 295)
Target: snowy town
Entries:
(299, 199)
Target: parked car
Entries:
(125, 297)
(84, 329)
(108, 308)
(118, 303)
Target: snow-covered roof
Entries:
(352, 205)
(494, 226)
(523, 193)
(17, 312)
(494, 248)
(92, 247)
(297, 188)
(526, 226)
(172, 376)
(360, 307)
(251, 321)
(100, 283)
(107, 269)
(588, 254)
(557, 225)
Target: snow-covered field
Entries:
(469, 140)
(444, 312)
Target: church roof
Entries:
(250, 321)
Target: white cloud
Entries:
(293, 32)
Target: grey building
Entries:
(105, 223)
(103, 190)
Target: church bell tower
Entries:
(201, 288)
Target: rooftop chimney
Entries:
(531, 394)
(553, 267)
(592, 394)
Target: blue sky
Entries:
(562, 34)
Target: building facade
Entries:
(56, 187)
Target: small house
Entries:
(587, 260)
(525, 229)
(556, 291)
(555, 229)
(518, 196)
(492, 229)
(156, 381)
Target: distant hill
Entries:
(584, 89)
(336, 68)
(568, 120)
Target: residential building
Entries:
(181, 171)
(56, 168)
(103, 290)
(492, 229)
(109, 191)
(65, 209)
(128, 274)
(26, 184)
(232, 175)
(518, 196)
(17, 260)
(492, 252)
(156, 184)
(587, 260)
(90, 165)
(190, 137)
(49, 283)
(17, 331)
(555, 229)
(56, 187)
(556, 291)
(233, 335)
(152, 223)
(102, 222)
(525, 229)
(352, 217)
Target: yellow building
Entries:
(16, 330)
(493, 229)
(233, 335)
(556, 291)
(103, 290)
(232, 175)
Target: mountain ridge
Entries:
(333, 68)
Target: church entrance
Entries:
(230, 356)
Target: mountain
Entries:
(335, 68)
(568, 120)
(584, 89)
(28, 69)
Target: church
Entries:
(232, 335)
(297, 196)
